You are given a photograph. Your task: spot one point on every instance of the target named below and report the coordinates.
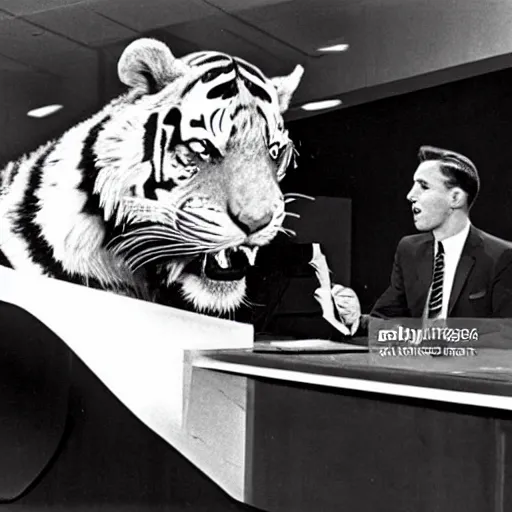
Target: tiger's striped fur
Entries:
(181, 172)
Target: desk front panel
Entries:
(317, 449)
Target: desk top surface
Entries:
(488, 372)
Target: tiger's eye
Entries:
(198, 146)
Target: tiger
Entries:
(180, 174)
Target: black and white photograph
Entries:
(256, 255)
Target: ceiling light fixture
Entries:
(48, 110)
(320, 105)
(342, 47)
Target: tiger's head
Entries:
(191, 168)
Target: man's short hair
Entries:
(459, 169)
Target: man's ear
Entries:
(459, 198)
(149, 65)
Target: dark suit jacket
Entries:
(482, 286)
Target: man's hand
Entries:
(348, 305)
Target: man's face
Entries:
(430, 197)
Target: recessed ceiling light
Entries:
(48, 110)
(320, 105)
(342, 47)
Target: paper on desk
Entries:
(324, 294)
(306, 346)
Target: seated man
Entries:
(451, 269)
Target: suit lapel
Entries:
(466, 263)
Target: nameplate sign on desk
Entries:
(441, 337)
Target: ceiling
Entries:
(65, 51)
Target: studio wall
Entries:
(368, 153)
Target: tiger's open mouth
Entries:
(226, 265)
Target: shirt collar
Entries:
(455, 242)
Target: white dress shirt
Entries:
(453, 246)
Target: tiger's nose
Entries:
(251, 223)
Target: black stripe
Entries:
(214, 113)
(163, 144)
(210, 75)
(198, 123)
(149, 137)
(208, 60)
(89, 175)
(173, 118)
(251, 70)
(256, 90)
(222, 116)
(149, 154)
(224, 91)
(214, 73)
(4, 262)
(89, 170)
(25, 225)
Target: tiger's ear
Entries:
(149, 65)
(286, 86)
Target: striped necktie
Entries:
(435, 302)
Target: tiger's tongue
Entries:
(226, 266)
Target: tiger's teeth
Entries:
(222, 259)
(250, 253)
(175, 271)
(163, 195)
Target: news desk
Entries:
(361, 432)
(302, 432)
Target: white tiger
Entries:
(181, 173)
